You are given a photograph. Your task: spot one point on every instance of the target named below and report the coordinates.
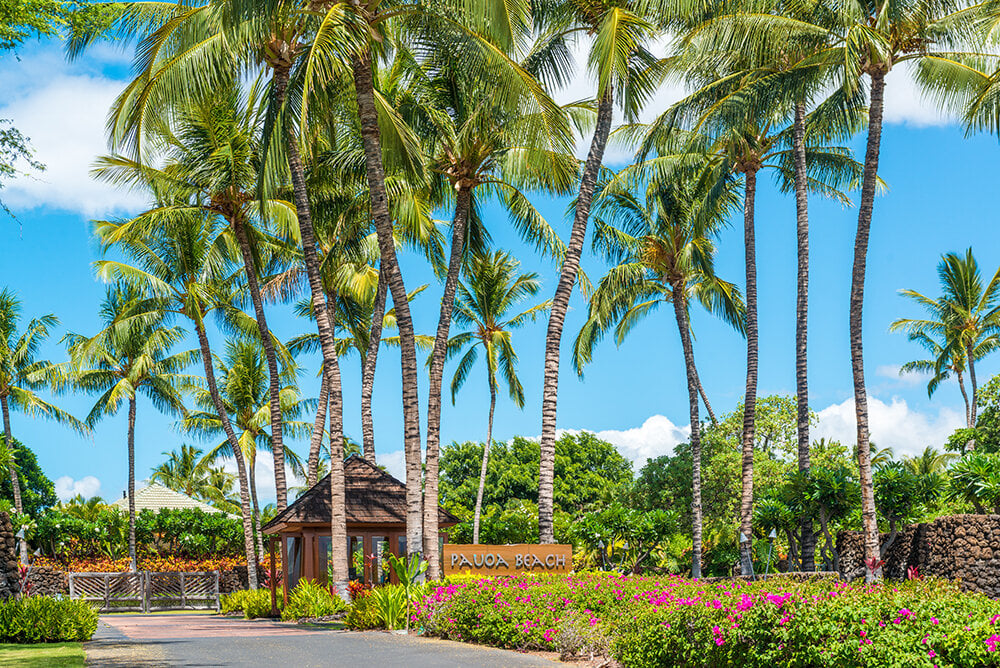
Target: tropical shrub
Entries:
(389, 605)
(38, 619)
(310, 599)
(676, 622)
(363, 613)
(253, 603)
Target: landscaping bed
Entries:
(672, 621)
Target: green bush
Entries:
(252, 603)
(44, 619)
(310, 599)
(363, 614)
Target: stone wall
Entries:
(47, 581)
(10, 580)
(957, 547)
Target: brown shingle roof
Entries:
(373, 497)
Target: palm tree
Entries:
(210, 156)
(129, 357)
(663, 253)
(940, 367)
(21, 375)
(243, 384)
(493, 289)
(929, 462)
(966, 317)
(183, 266)
(190, 472)
(626, 73)
(478, 149)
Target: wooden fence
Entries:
(147, 591)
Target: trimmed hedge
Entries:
(38, 619)
(649, 622)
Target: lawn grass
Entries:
(42, 655)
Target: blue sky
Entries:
(939, 200)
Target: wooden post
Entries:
(107, 593)
(183, 593)
(72, 591)
(218, 599)
(146, 585)
(285, 567)
(309, 555)
(272, 578)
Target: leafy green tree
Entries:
(622, 538)
(492, 290)
(190, 472)
(897, 497)
(37, 491)
(21, 374)
(664, 253)
(130, 357)
(975, 479)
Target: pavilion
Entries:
(376, 524)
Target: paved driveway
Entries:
(208, 640)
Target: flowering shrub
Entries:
(677, 622)
(145, 563)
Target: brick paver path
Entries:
(209, 640)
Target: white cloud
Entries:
(657, 436)
(909, 379)
(904, 103)
(67, 487)
(893, 425)
(395, 463)
(63, 116)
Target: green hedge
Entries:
(648, 622)
(44, 619)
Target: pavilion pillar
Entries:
(273, 576)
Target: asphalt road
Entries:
(207, 640)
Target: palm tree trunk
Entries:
(975, 387)
(750, 398)
(463, 206)
(557, 318)
(274, 380)
(255, 506)
(708, 406)
(335, 389)
(482, 471)
(807, 539)
(965, 397)
(680, 314)
(15, 481)
(868, 519)
(319, 427)
(338, 515)
(234, 444)
(131, 484)
(368, 369)
(371, 139)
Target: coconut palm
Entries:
(966, 317)
(190, 472)
(183, 265)
(663, 252)
(492, 290)
(21, 374)
(243, 384)
(619, 33)
(929, 462)
(129, 357)
(210, 155)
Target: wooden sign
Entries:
(507, 559)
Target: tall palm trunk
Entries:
(965, 397)
(750, 398)
(335, 391)
(319, 427)
(807, 538)
(557, 317)
(255, 507)
(338, 527)
(708, 406)
(486, 458)
(131, 484)
(274, 380)
(869, 521)
(234, 444)
(368, 369)
(975, 387)
(372, 141)
(463, 206)
(680, 314)
(15, 481)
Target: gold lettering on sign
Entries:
(507, 559)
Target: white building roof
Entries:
(156, 496)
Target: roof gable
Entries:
(157, 497)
